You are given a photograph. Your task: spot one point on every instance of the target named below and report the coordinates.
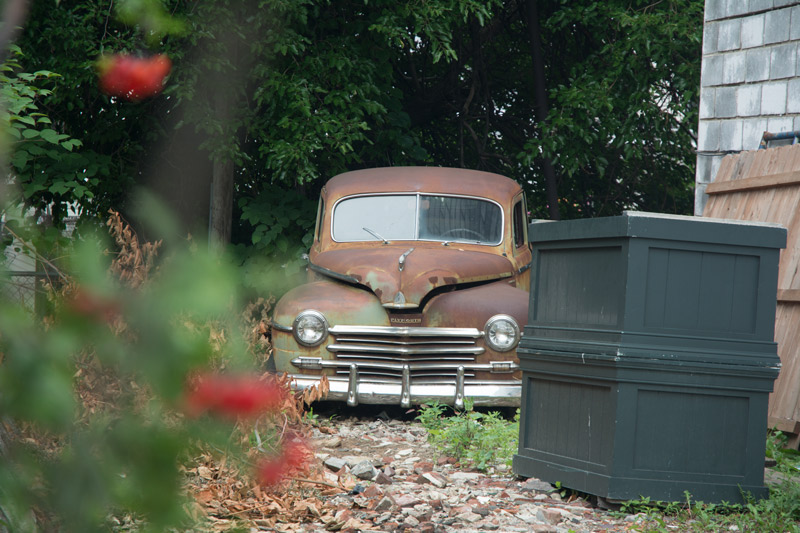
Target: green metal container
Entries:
(649, 356)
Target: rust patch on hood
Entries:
(429, 267)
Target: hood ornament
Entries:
(399, 298)
(402, 260)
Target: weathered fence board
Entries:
(764, 186)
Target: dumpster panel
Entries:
(567, 294)
(698, 423)
(581, 420)
(692, 290)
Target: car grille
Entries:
(380, 353)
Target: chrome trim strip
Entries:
(456, 350)
(372, 358)
(483, 393)
(332, 273)
(315, 363)
(392, 305)
(403, 342)
(396, 331)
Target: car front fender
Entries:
(339, 303)
(475, 305)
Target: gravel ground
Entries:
(401, 484)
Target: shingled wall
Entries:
(750, 79)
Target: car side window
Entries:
(320, 216)
(519, 224)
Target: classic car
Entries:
(417, 291)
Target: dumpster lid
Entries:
(663, 226)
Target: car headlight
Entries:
(502, 333)
(310, 328)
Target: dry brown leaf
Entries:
(204, 496)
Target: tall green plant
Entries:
(280, 225)
(483, 440)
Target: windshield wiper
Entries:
(376, 235)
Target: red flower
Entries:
(133, 78)
(232, 396)
(296, 453)
(271, 471)
(93, 306)
(294, 458)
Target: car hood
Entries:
(423, 270)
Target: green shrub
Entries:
(480, 439)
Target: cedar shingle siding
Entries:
(750, 79)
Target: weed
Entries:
(311, 417)
(480, 439)
(779, 512)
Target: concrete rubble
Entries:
(400, 484)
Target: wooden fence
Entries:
(764, 186)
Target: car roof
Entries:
(422, 179)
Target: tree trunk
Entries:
(221, 212)
(221, 202)
(541, 108)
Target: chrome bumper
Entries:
(504, 393)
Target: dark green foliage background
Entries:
(320, 87)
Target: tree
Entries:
(622, 82)
(45, 166)
(625, 101)
(279, 96)
(68, 39)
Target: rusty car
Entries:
(417, 291)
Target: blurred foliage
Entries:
(279, 235)
(67, 38)
(93, 395)
(151, 18)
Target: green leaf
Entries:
(52, 136)
(20, 159)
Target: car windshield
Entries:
(417, 217)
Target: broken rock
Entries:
(364, 470)
(436, 479)
(334, 463)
